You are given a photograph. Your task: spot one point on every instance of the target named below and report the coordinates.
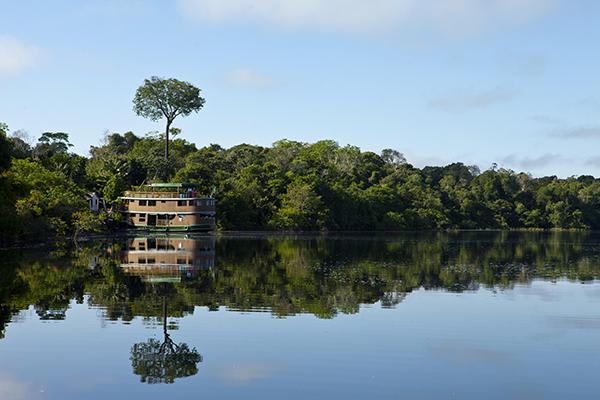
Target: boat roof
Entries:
(172, 185)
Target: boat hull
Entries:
(174, 228)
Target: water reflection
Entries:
(133, 295)
(170, 259)
(157, 362)
(285, 275)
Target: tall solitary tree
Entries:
(161, 98)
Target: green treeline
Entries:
(288, 186)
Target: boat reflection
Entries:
(168, 259)
(160, 262)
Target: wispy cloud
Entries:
(248, 78)
(546, 119)
(593, 161)
(466, 100)
(586, 323)
(576, 132)
(116, 8)
(525, 162)
(460, 16)
(560, 129)
(526, 65)
(588, 102)
(15, 55)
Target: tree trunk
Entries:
(165, 316)
(167, 140)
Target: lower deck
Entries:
(170, 222)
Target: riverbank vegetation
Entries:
(288, 186)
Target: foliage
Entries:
(5, 147)
(46, 200)
(166, 98)
(86, 221)
(290, 186)
(157, 362)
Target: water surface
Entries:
(418, 316)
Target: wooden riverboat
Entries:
(168, 207)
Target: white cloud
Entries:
(248, 78)
(471, 100)
(460, 16)
(15, 55)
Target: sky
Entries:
(511, 82)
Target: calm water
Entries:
(431, 316)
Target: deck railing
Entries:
(162, 195)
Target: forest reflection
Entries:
(323, 275)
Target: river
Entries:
(465, 315)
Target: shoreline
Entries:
(131, 233)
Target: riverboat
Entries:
(169, 207)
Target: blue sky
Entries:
(512, 82)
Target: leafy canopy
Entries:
(166, 98)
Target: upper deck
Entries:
(165, 191)
(165, 199)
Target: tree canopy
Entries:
(287, 186)
(161, 98)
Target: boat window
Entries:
(181, 261)
(191, 202)
(151, 202)
(151, 261)
(163, 201)
(181, 203)
(141, 260)
(142, 202)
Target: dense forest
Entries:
(288, 186)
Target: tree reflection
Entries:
(157, 362)
(287, 275)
